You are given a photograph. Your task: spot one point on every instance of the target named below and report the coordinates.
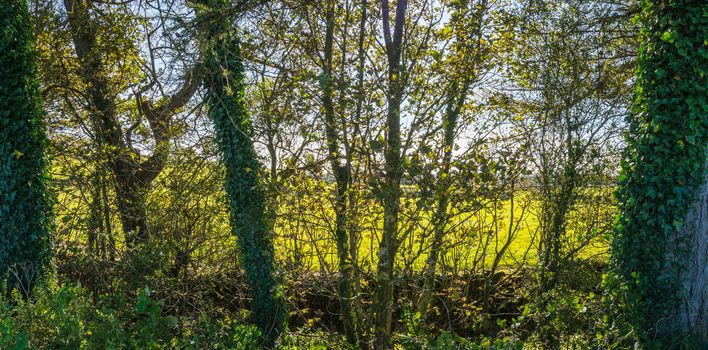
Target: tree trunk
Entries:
(249, 214)
(467, 19)
(692, 310)
(661, 244)
(440, 218)
(341, 175)
(354, 229)
(25, 212)
(131, 205)
(107, 221)
(391, 188)
(95, 221)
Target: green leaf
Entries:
(678, 224)
(668, 37)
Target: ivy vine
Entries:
(234, 136)
(25, 208)
(665, 159)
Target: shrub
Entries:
(68, 317)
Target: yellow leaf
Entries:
(17, 154)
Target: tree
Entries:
(342, 175)
(660, 248)
(574, 82)
(133, 173)
(391, 186)
(464, 66)
(25, 220)
(234, 132)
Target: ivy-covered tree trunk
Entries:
(662, 236)
(25, 209)
(249, 216)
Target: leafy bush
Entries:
(314, 339)
(448, 341)
(69, 318)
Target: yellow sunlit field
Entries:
(470, 238)
(304, 231)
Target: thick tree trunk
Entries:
(25, 212)
(133, 215)
(692, 310)
(95, 222)
(107, 222)
(662, 241)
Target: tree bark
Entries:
(391, 188)
(341, 175)
(692, 310)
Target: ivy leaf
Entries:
(17, 154)
(668, 37)
(678, 224)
